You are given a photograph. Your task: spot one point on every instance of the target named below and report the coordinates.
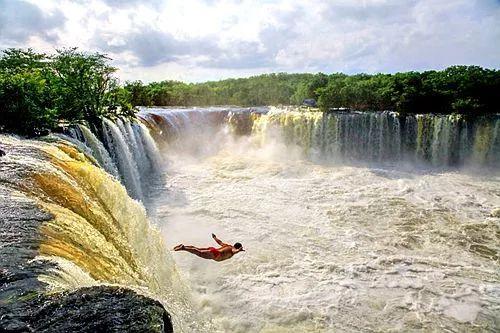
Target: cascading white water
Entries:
(486, 146)
(327, 244)
(99, 152)
(151, 152)
(129, 136)
(138, 152)
(75, 136)
(187, 128)
(437, 140)
(143, 150)
(132, 155)
(121, 153)
(80, 229)
(403, 247)
(337, 137)
(386, 137)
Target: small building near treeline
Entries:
(311, 102)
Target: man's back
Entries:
(226, 252)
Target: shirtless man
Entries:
(225, 251)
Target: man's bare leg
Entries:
(200, 252)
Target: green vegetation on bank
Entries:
(457, 89)
(39, 91)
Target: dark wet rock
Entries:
(241, 123)
(2, 153)
(91, 309)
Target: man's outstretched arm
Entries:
(218, 240)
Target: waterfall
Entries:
(486, 143)
(374, 137)
(494, 150)
(199, 132)
(345, 136)
(151, 152)
(84, 228)
(121, 153)
(97, 149)
(439, 140)
(128, 152)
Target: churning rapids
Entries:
(351, 221)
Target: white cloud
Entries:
(21, 20)
(202, 39)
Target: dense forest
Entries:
(457, 89)
(40, 91)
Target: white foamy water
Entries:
(334, 248)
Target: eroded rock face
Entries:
(91, 309)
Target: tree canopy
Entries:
(38, 91)
(457, 89)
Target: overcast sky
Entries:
(199, 40)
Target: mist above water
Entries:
(328, 243)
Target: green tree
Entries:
(85, 85)
(27, 104)
(38, 91)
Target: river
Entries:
(351, 222)
(330, 246)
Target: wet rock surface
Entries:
(91, 309)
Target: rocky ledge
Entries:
(91, 309)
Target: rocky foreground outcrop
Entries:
(91, 309)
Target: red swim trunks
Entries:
(215, 252)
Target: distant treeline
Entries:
(457, 89)
(39, 91)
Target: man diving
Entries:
(224, 252)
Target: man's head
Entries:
(238, 246)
